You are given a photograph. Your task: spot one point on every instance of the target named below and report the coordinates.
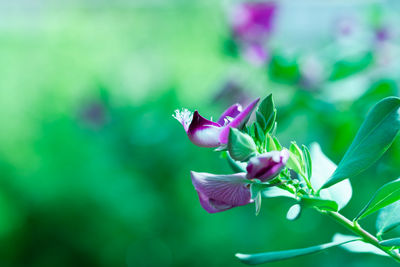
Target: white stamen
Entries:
(184, 116)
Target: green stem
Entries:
(358, 230)
(308, 183)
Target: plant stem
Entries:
(358, 230)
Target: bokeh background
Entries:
(94, 171)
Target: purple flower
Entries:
(382, 34)
(94, 114)
(255, 54)
(253, 21)
(221, 192)
(252, 24)
(206, 133)
(268, 165)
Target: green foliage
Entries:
(322, 170)
(293, 163)
(350, 66)
(358, 246)
(259, 132)
(294, 212)
(240, 145)
(266, 114)
(256, 189)
(284, 69)
(277, 144)
(388, 218)
(286, 254)
(270, 143)
(322, 204)
(374, 137)
(394, 242)
(236, 166)
(386, 195)
(296, 159)
(308, 162)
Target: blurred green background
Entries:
(94, 171)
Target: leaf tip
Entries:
(242, 257)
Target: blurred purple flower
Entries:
(94, 114)
(346, 26)
(221, 192)
(252, 24)
(268, 165)
(253, 21)
(255, 53)
(206, 133)
(382, 34)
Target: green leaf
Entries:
(307, 159)
(323, 168)
(240, 145)
(251, 131)
(386, 195)
(374, 137)
(394, 242)
(296, 151)
(294, 212)
(266, 114)
(257, 201)
(261, 120)
(294, 148)
(284, 69)
(270, 144)
(277, 144)
(277, 192)
(235, 165)
(286, 254)
(256, 189)
(273, 129)
(388, 218)
(259, 133)
(323, 204)
(271, 123)
(293, 163)
(358, 246)
(349, 66)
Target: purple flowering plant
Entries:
(264, 168)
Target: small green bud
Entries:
(270, 143)
(240, 145)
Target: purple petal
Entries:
(255, 54)
(253, 21)
(268, 165)
(382, 34)
(203, 132)
(238, 122)
(221, 192)
(232, 112)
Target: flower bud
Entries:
(268, 165)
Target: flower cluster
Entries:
(206, 133)
(257, 163)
